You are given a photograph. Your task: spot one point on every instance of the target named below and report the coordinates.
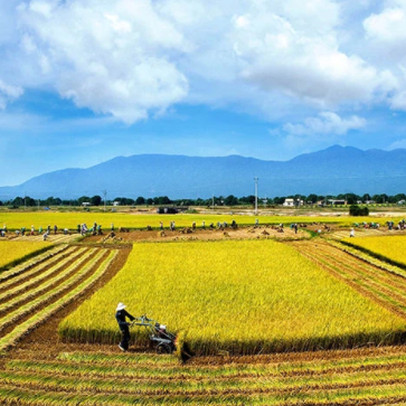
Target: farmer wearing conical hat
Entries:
(121, 315)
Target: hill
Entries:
(331, 171)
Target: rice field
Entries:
(244, 297)
(71, 220)
(11, 251)
(224, 298)
(392, 248)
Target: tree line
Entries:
(231, 200)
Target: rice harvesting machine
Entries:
(160, 337)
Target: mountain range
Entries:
(331, 171)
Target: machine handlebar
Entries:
(141, 320)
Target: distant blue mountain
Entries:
(331, 171)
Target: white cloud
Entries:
(8, 92)
(114, 57)
(326, 124)
(304, 61)
(386, 35)
(130, 59)
(386, 38)
(398, 144)
(387, 26)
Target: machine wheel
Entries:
(164, 349)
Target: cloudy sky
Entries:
(83, 81)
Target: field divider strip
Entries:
(46, 312)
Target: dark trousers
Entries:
(125, 337)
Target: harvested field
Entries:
(52, 238)
(33, 291)
(385, 286)
(102, 377)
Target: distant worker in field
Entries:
(352, 233)
(121, 315)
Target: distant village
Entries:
(214, 201)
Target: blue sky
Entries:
(82, 81)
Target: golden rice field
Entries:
(237, 296)
(71, 220)
(11, 251)
(392, 248)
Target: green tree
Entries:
(230, 200)
(96, 200)
(355, 210)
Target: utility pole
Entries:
(212, 202)
(256, 195)
(104, 198)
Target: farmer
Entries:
(121, 314)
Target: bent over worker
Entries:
(121, 315)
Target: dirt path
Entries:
(188, 234)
